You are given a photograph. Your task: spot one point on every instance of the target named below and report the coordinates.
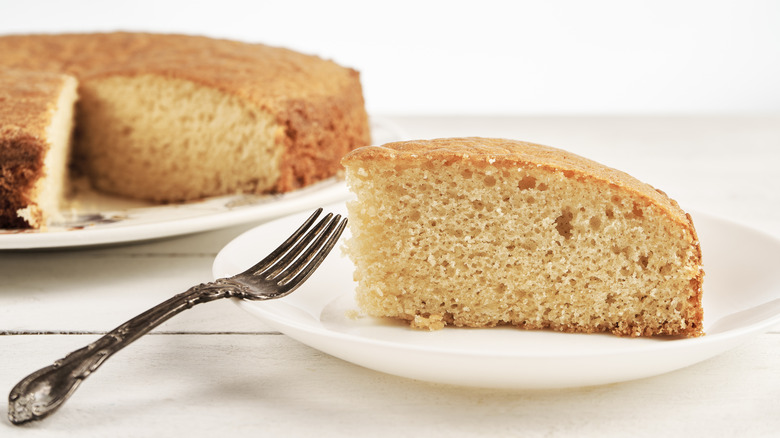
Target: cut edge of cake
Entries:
(508, 155)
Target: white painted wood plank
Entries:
(96, 290)
(270, 385)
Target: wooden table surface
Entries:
(216, 370)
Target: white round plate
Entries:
(138, 221)
(102, 219)
(741, 299)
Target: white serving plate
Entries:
(741, 300)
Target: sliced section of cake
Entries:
(477, 232)
(36, 122)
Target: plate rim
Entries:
(329, 190)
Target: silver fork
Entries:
(277, 275)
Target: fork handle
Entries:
(45, 390)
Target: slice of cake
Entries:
(170, 118)
(36, 121)
(477, 232)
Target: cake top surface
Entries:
(505, 153)
(231, 66)
(27, 101)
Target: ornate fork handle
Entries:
(277, 275)
(44, 391)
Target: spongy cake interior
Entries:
(476, 244)
(162, 131)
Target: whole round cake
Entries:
(172, 118)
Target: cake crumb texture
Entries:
(475, 232)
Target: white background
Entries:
(488, 57)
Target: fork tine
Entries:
(269, 260)
(295, 276)
(275, 268)
(284, 273)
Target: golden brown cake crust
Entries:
(27, 101)
(318, 103)
(230, 66)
